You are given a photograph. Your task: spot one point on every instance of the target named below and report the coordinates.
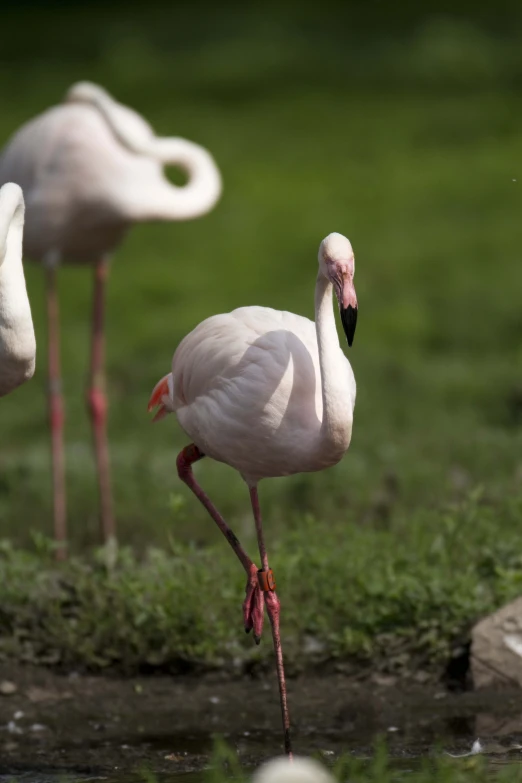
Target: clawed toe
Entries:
(253, 606)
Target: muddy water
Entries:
(93, 728)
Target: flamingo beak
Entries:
(160, 391)
(348, 307)
(349, 321)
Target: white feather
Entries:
(17, 340)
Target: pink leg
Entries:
(56, 415)
(253, 604)
(273, 608)
(97, 401)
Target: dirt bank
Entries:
(89, 726)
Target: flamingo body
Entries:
(247, 389)
(73, 195)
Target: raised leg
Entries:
(97, 401)
(56, 414)
(267, 584)
(253, 604)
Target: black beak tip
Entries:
(349, 321)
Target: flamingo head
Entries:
(337, 264)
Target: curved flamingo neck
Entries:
(11, 224)
(203, 187)
(337, 407)
(17, 342)
(162, 200)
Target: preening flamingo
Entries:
(17, 341)
(90, 168)
(271, 394)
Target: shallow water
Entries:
(88, 728)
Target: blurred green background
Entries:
(396, 124)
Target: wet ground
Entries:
(92, 727)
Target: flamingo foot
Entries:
(253, 605)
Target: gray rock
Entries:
(496, 647)
(7, 688)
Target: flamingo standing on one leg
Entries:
(17, 341)
(271, 394)
(89, 169)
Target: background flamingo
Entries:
(90, 168)
(271, 394)
(17, 341)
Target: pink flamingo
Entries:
(17, 341)
(90, 168)
(271, 394)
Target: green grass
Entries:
(408, 140)
(356, 592)
(381, 768)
